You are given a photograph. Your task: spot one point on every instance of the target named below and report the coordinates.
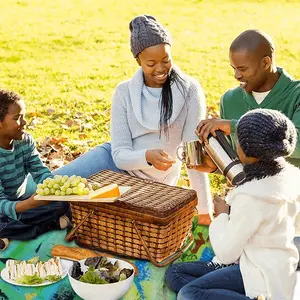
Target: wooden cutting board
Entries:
(84, 198)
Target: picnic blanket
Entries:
(148, 285)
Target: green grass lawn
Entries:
(68, 55)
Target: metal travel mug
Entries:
(193, 153)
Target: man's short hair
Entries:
(254, 40)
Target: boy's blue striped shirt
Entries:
(15, 165)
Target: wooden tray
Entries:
(84, 198)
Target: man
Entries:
(262, 85)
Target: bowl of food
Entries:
(91, 277)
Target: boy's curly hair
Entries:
(7, 98)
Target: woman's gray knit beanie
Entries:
(146, 32)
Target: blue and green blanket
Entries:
(148, 285)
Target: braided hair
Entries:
(166, 100)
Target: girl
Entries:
(260, 228)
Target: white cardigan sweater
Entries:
(259, 232)
(133, 133)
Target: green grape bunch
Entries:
(63, 186)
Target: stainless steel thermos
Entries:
(225, 157)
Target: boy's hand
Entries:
(29, 204)
(205, 127)
(43, 202)
(220, 206)
(159, 159)
(38, 203)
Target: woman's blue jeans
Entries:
(91, 162)
(201, 280)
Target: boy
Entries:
(21, 217)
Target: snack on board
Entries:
(63, 185)
(108, 191)
(34, 271)
(76, 185)
(100, 271)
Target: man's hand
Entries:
(205, 127)
(159, 159)
(220, 206)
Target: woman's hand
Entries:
(205, 127)
(159, 159)
(220, 206)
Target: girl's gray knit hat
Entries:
(146, 32)
(266, 134)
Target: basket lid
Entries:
(146, 196)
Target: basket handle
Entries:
(70, 236)
(169, 259)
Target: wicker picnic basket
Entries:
(150, 221)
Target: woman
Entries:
(152, 114)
